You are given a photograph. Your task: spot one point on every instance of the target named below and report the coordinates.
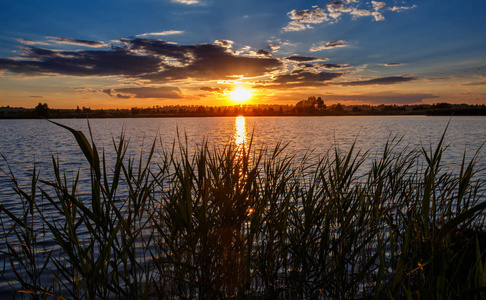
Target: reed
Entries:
(240, 223)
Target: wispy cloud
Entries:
(379, 81)
(384, 98)
(304, 58)
(333, 12)
(76, 42)
(328, 45)
(322, 66)
(32, 42)
(401, 8)
(52, 40)
(186, 1)
(216, 90)
(161, 33)
(300, 78)
(394, 64)
(145, 92)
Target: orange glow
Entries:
(240, 94)
(240, 131)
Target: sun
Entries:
(240, 94)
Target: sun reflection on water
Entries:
(240, 132)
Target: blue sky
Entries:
(128, 53)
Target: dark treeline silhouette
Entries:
(312, 106)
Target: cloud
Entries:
(39, 61)
(328, 45)
(85, 90)
(211, 89)
(301, 19)
(392, 64)
(300, 78)
(377, 5)
(144, 92)
(476, 83)
(34, 96)
(273, 47)
(333, 12)
(162, 33)
(356, 13)
(224, 43)
(379, 81)
(62, 40)
(152, 92)
(186, 1)
(31, 42)
(150, 59)
(213, 62)
(337, 8)
(304, 58)
(112, 93)
(262, 52)
(383, 98)
(321, 66)
(76, 42)
(401, 8)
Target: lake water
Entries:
(25, 142)
(29, 143)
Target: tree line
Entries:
(312, 106)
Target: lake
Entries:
(29, 143)
(25, 142)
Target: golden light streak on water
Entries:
(240, 132)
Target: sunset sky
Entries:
(126, 53)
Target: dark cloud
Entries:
(263, 52)
(71, 41)
(112, 93)
(224, 43)
(300, 78)
(36, 96)
(476, 83)
(322, 66)
(380, 81)
(213, 62)
(151, 59)
(80, 63)
(211, 89)
(303, 58)
(328, 45)
(383, 98)
(145, 92)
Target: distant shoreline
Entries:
(299, 110)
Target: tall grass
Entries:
(240, 223)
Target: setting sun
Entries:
(240, 94)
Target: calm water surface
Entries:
(25, 142)
(29, 143)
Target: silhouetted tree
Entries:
(42, 110)
(320, 103)
(339, 108)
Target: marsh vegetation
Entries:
(239, 222)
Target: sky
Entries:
(144, 53)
